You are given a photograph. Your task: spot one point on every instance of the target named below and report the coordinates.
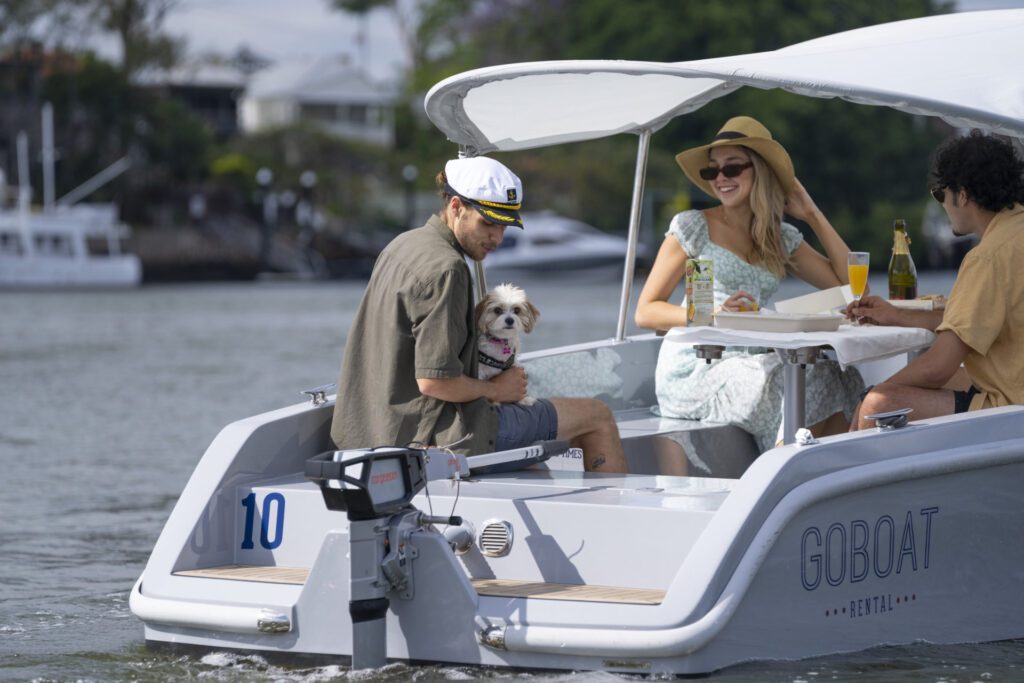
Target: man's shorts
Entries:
(520, 425)
(962, 399)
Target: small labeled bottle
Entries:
(700, 291)
(902, 273)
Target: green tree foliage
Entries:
(235, 168)
(360, 6)
(345, 170)
(404, 14)
(172, 137)
(47, 23)
(852, 158)
(138, 24)
(100, 117)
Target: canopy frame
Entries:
(525, 106)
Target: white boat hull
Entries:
(552, 247)
(52, 249)
(859, 540)
(862, 540)
(41, 271)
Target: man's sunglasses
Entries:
(939, 193)
(729, 170)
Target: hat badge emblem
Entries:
(511, 194)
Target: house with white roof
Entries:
(328, 92)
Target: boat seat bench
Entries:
(504, 588)
(716, 450)
(640, 422)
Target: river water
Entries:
(107, 401)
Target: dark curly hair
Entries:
(988, 168)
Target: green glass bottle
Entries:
(902, 273)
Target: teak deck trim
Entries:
(500, 588)
(538, 590)
(248, 572)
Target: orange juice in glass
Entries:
(751, 302)
(857, 267)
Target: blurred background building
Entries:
(328, 93)
(203, 96)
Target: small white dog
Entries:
(501, 317)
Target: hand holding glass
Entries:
(751, 303)
(857, 268)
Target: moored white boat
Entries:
(881, 537)
(66, 244)
(554, 246)
(59, 249)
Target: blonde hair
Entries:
(767, 202)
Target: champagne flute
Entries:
(857, 269)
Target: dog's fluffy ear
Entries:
(530, 318)
(478, 312)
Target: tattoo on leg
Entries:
(598, 461)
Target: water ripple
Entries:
(150, 378)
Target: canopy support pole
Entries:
(639, 178)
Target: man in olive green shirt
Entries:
(409, 374)
(979, 180)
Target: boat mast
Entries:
(48, 158)
(24, 196)
(639, 178)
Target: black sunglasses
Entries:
(729, 170)
(939, 193)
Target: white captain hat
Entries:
(488, 186)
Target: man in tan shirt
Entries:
(979, 180)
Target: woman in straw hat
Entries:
(752, 176)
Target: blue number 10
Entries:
(249, 503)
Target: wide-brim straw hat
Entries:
(745, 132)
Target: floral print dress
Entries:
(744, 388)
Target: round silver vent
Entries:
(495, 538)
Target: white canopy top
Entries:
(966, 68)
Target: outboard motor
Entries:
(374, 487)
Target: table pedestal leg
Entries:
(794, 385)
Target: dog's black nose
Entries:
(509, 320)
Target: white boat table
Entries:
(848, 345)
